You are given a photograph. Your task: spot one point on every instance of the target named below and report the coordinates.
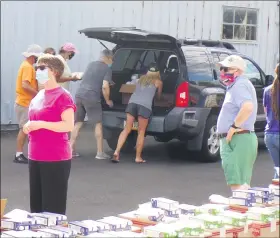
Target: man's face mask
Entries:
(71, 55)
(227, 77)
(42, 74)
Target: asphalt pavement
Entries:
(101, 188)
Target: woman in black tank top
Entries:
(140, 110)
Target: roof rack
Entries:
(208, 43)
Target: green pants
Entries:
(238, 158)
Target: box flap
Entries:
(127, 88)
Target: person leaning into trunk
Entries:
(26, 89)
(51, 117)
(66, 53)
(235, 126)
(97, 78)
(140, 108)
(271, 102)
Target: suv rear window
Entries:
(199, 67)
(139, 59)
(120, 60)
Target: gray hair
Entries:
(106, 53)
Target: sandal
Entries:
(140, 161)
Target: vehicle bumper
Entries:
(179, 122)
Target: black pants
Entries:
(48, 186)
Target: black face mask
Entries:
(72, 55)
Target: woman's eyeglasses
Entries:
(41, 67)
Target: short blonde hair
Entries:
(53, 62)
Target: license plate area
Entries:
(134, 127)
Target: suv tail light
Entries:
(182, 95)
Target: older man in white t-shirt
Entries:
(67, 52)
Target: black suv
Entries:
(190, 80)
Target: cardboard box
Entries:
(82, 228)
(276, 181)
(16, 224)
(237, 232)
(20, 234)
(259, 229)
(241, 202)
(3, 206)
(127, 90)
(164, 203)
(261, 192)
(140, 221)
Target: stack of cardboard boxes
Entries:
(248, 213)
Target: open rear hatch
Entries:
(122, 35)
(131, 37)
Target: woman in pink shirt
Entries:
(51, 117)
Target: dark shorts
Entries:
(93, 110)
(136, 110)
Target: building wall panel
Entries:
(52, 23)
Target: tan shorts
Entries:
(22, 115)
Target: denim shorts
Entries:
(272, 143)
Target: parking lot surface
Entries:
(100, 188)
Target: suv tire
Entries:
(210, 152)
(128, 146)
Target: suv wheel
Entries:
(128, 146)
(210, 144)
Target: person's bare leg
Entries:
(21, 139)
(19, 156)
(99, 137)
(123, 136)
(74, 135)
(143, 123)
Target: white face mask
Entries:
(42, 76)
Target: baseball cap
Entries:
(153, 67)
(234, 61)
(69, 47)
(33, 50)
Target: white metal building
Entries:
(253, 27)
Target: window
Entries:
(146, 58)
(198, 65)
(120, 59)
(253, 73)
(218, 57)
(239, 24)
